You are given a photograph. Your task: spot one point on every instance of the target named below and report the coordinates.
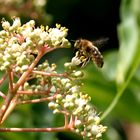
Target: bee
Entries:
(87, 50)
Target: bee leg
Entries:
(85, 61)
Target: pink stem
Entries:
(66, 120)
(58, 129)
(10, 74)
(18, 84)
(72, 121)
(32, 92)
(27, 73)
(49, 74)
(36, 100)
(2, 95)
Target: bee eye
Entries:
(78, 41)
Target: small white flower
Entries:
(39, 3)
(37, 31)
(44, 36)
(31, 23)
(95, 129)
(78, 123)
(75, 89)
(70, 98)
(16, 23)
(65, 80)
(5, 25)
(97, 119)
(24, 67)
(56, 35)
(15, 47)
(27, 31)
(68, 85)
(53, 89)
(81, 102)
(90, 118)
(6, 57)
(78, 73)
(51, 105)
(75, 61)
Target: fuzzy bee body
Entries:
(86, 51)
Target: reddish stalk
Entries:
(10, 75)
(58, 129)
(49, 74)
(27, 73)
(2, 95)
(32, 92)
(18, 84)
(10, 108)
(36, 100)
(72, 121)
(66, 120)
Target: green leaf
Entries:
(128, 57)
(129, 51)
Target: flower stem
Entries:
(58, 129)
(22, 79)
(49, 74)
(37, 100)
(27, 73)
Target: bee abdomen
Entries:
(97, 58)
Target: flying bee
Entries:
(87, 50)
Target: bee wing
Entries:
(100, 42)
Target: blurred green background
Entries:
(118, 80)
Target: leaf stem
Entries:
(119, 93)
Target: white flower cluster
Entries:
(19, 43)
(74, 102)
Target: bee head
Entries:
(77, 43)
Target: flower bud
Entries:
(51, 105)
(59, 96)
(24, 67)
(56, 111)
(67, 65)
(16, 24)
(77, 74)
(78, 123)
(94, 130)
(75, 61)
(5, 25)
